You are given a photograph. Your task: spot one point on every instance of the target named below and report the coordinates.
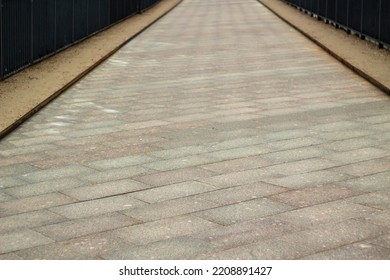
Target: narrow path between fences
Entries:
(218, 133)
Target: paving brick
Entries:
(55, 173)
(120, 162)
(369, 183)
(295, 154)
(10, 256)
(82, 227)
(383, 241)
(45, 187)
(242, 193)
(365, 167)
(5, 197)
(174, 176)
(164, 229)
(239, 178)
(358, 155)
(179, 163)
(239, 164)
(173, 191)
(28, 220)
(7, 182)
(316, 178)
(84, 248)
(302, 166)
(314, 195)
(180, 248)
(16, 169)
(248, 210)
(331, 212)
(169, 208)
(355, 251)
(112, 188)
(17, 240)
(27, 150)
(33, 203)
(114, 174)
(97, 207)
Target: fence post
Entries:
(380, 45)
(32, 30)
(1, 40)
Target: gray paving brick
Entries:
(164, 229)
(180, 248)
(358, 155)
(29, 220)
(17, 240)
(5, 197)
(242, 193)
(355, 251)
(114, 174)
(97, 207)
(45, 187)
(16, 169)
(33, 203)
(173, 191)
(316, 178)
(174, 176)
(295, 154)
(169, 208)
(55, 173)
(365, 167)
(381, 218)
(378, 200)
(7, 182)
(302, 166)
(27, 150)
(84, 248)
(331, 212)
(95, 191)
(239, 164)
(369, 183)
(119, 162)
(10, 256)
(314, 195)
(179, 163)
(82, 227)
(239, 152)
(248, 210)
(239, 178)
(383, 241)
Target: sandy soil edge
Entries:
(363, 57)
(26, 92)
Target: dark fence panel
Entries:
(369, 18)
(342, 12)
(43, 28)
(385, 22)
(31, 30)
(16, 35)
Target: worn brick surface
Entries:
(219, 132)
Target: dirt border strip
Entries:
(4, 131)
(321, 42)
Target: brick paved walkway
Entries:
(220, 132)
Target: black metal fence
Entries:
(368, 18)
(31, 30)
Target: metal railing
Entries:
(31, 30)
(368, 18)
